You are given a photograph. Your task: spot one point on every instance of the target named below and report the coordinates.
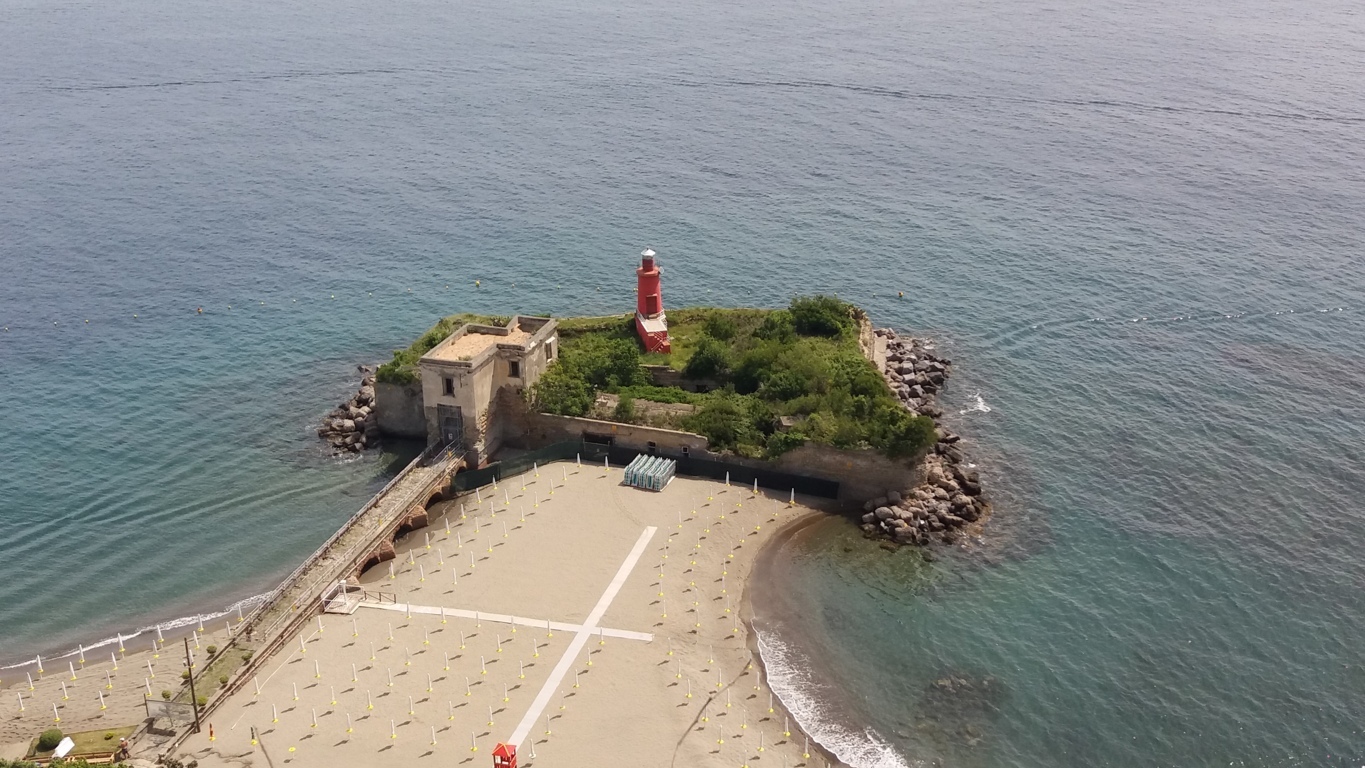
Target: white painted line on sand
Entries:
(576, 645)
(502, 618)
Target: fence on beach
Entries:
(298, 597)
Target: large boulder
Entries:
(884, 513)
(346, 425)
(893, 497)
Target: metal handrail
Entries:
(349, 555)
(270, 637)
(289, 581)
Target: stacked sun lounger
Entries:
(650, 472)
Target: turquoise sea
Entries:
(1136, 226)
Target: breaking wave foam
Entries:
(184, 621)
(789, 677)
(980, 406)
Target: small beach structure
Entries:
(650, 472)
(505, 756)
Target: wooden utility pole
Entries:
(194, 700)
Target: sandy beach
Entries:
(122, 679)
(646, 654)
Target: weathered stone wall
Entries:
(399, 410)
(859, 473)
(544, 429)
(512, 417)
(664, 376)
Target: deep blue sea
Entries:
(1137, 226)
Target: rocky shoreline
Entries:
(950, 497)
(353, 426)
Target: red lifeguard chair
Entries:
(505, 756)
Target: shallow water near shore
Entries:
(1134, 227)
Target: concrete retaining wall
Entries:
(544, 429)
(399, 407)
(861, 474)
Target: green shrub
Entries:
(246, 656)
(203, 700)
(166, 695)
(559, 391)
(781, 442)
(785, 385)
(625, 411)
(49, 739)
(708, 361)
(212, 649)
(108, 735)
(777, 326)
(658, 394)
(222, 679)
(604, 363)
(821, 316)
(721, 326)
(727, 422)
(184, 674)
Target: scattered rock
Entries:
(950, 497)
(351, 426)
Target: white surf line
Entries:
(579, 640)
(502, 618)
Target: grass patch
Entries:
(222, 665)
(87, 743)
(622, 326)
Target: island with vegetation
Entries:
(759, 383)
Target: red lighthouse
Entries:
(650, 321)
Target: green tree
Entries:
(709, 360)
(561, 392)
(723, 420)
(605, 363)
(784, 385)
(625, 411)
(820, 316)
(721, 326)
(777, 326)
(49, 739)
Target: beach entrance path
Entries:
(564, 612)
